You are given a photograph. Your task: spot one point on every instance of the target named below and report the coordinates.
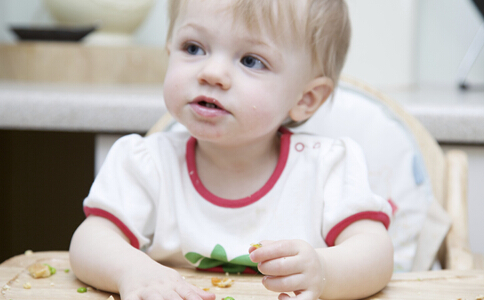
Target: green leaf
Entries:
(193, 257)
(243, 260)
(208, 263)
(219, 253)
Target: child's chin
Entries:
(206, 134)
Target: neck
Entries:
(234, 172)
(237, 158)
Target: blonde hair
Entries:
(324, 28)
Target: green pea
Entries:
(228, 298)
(52, 270)
(66, 271)
(82, 290)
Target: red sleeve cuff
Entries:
(88, 211)
(366, 215)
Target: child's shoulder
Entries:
(153, 145)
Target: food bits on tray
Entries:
(39, 270)
(222, 283)
(256, 245)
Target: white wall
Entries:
(447, 28)
(383, 48)
(397, 43)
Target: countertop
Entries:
(451, 115)
(80, 107)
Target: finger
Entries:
(305, 295)
(281, 266)
(283, 296)
(255, 246)
(284, 284)
(194, 293)
(188, 294)
(274, 250)
(166, 295)
(204, 294)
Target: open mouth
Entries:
(208, 105)
(208, 102)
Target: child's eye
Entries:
(252, 62)
(193, 49)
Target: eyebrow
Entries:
(191, 25)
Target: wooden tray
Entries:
(450, 285)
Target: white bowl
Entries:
(116, 19)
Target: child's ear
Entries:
(314, 95)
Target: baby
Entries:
(240, 72)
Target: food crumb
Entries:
(51, 284)
(223, 283)
(111, 297)
(28, 252)
(6, 287)
(480, 297)
(256, 245)
(39, 270)
(27, 285)
(52, 270)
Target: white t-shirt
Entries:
(149, 187)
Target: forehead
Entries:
(280, 20)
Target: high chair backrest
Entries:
(406, 166)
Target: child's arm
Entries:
(101, 256)
(359, 265)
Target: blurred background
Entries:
(396, 43)
(56, 127)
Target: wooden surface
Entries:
(412, 286)
(79, 63)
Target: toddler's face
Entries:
(227, 84)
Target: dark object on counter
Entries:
(473, 52)
(66, 34)
(480, 6)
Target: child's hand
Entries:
(290, 266)
(159, 282)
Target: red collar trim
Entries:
(207, 195)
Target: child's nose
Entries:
(215, 73)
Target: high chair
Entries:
(426, 187)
